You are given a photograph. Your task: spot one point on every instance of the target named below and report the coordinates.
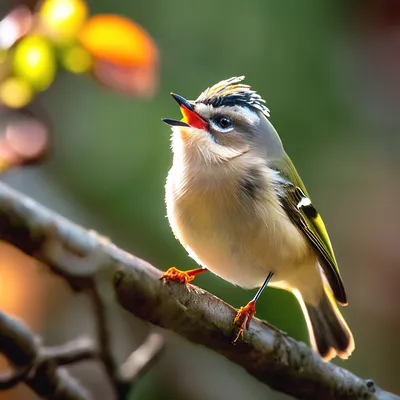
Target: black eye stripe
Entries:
(243, 98)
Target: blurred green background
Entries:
(329, 72)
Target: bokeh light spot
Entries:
(63, 19)
(27, 139)
(15, 92)
(34, 60)
(119, 40)
(15, 25)
(77, 60)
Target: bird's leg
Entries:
(246, 313)
(174, 274)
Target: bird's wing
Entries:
(297, 204)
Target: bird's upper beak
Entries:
(190, 117)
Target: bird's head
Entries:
(226, 121)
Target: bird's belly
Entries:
(235, 244)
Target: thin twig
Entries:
(140, 361)
(142, 358)
(104, 338)
(12, 378)
(266, 353)
(72, 352)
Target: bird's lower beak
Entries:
(190, 117)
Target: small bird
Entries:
(238, 206)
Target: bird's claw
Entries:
(243, 319)
(174, 274)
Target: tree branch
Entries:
(268, 354)
(38, 366)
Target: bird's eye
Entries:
(223, 122)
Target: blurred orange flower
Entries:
(126, 57)
(119, 40)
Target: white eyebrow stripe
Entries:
(250, 114)
(245, 113)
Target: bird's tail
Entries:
(329, 333)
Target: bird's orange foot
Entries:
(174, 274)
(243, 318)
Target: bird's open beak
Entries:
(190, 117)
